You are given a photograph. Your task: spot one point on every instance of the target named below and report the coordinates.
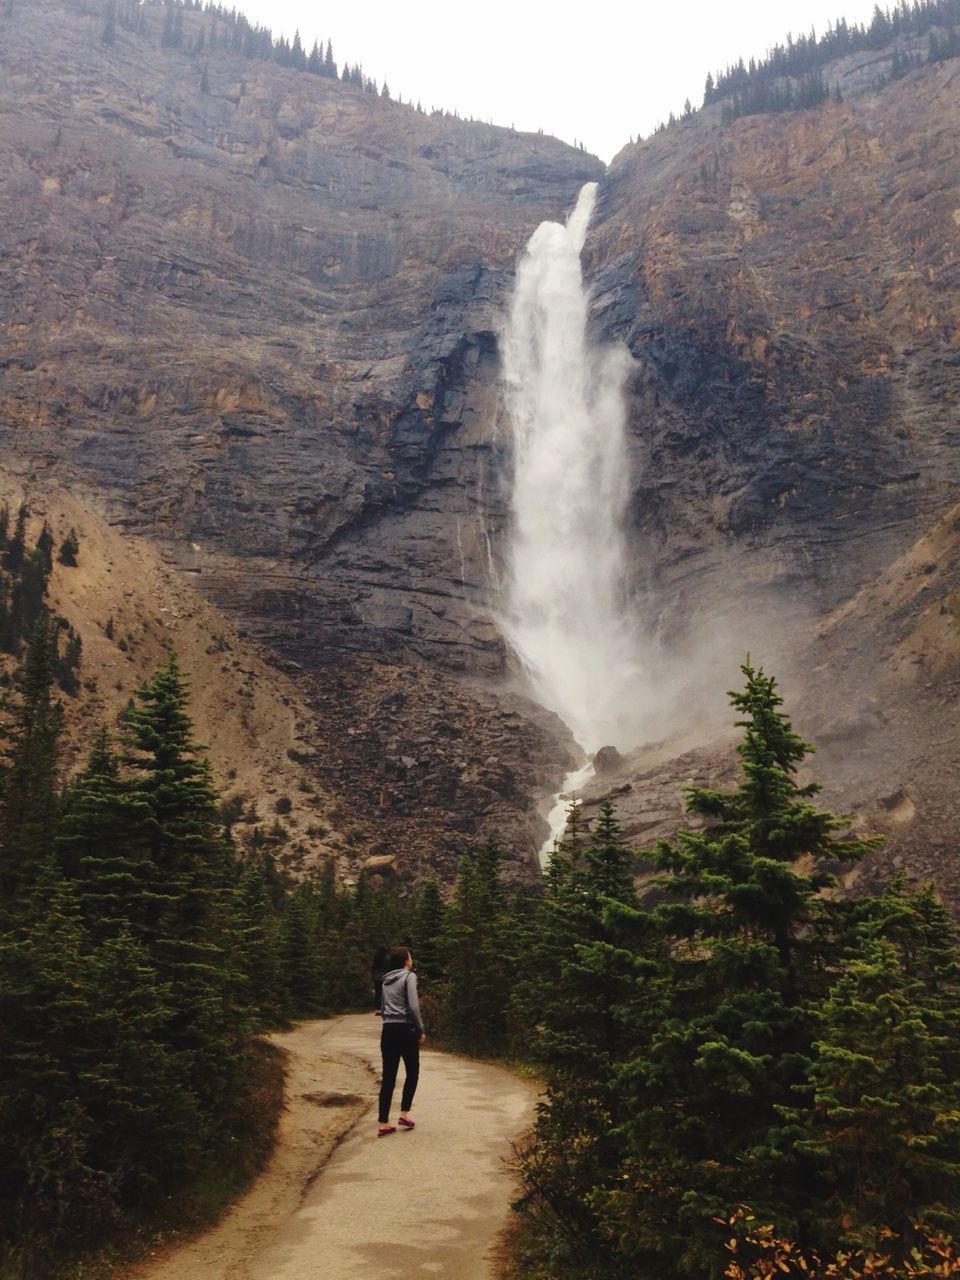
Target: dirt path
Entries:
(338, 1203)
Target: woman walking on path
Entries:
(400, 1038)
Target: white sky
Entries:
(597, 73)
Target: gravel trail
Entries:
(338, 1203)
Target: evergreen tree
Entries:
(32, 591)
(68, 663)
(126, 1066)
(16, 547)
(730, 1038)
(45, 1173)
(94, 1117)
(299, 952)
(476, 988)
(103, 844)
(744, 863)
(193, 918)
(586, 982)
(428, 930)
(258, 934)
(692, 1060)
(884, 1119)
(28, 773)
(45, 547)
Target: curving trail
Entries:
(338, 1203)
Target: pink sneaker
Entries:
(404, 1123)
(387, 1128)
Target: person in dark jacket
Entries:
(401, 1036)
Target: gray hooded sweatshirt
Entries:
(399, 1002)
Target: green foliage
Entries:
(14, 551)
(219, 28)
(738, 1038)
(23, 589)
(884, 1119)
(103, 845)
(470, 1005)
(743, 1039)
(45, 548)
(138, 953)
(28, 773)
(582, 981)
(428, 931)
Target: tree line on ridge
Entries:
(791, 77)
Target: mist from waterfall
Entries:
(564, 609)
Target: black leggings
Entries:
(398, 1040)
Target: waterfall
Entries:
(564, 609)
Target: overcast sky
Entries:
(596, 73)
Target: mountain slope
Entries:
(246, 303)
(251, 316)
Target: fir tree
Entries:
(28, 775)
(732, 1037)
(259, 947)
(581, 981)
(428, 930)
(103, 844)
(193, 922)
(45, 1132)
(884, 1119)
(68, 663)
(45, 548)
(476, 959)
(16, 547)
(744, 863)
(298, 58)
(33, 589)
(299, 953)
(712, 1029)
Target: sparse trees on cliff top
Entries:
(791, 75)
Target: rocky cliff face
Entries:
(252, 315)
(253, 309)
(787, 285)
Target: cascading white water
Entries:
(564, 608)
